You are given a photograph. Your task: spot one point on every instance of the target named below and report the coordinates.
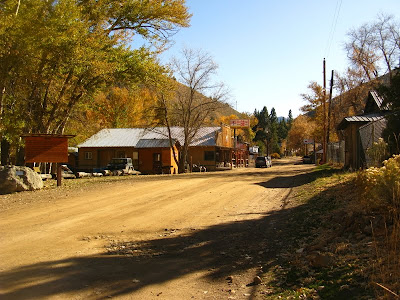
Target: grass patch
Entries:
(81, 182)
(329, 250)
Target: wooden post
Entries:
(59, 176)
(329, 111)
(234, 138)
(315, 154)
(324, 116)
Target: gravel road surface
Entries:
(191, 236)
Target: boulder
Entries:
(18, 179)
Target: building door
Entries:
(157, 165)
(104, 156)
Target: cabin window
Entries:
(135, 155)
(88, 155)
(156, 157)
(209, 155)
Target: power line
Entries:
(333, 27)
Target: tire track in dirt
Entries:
(138, 210)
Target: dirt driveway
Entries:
(148, 237)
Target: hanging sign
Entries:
(239, 123)
(46, 148)
(308, 141)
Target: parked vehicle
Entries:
(121, 165)
(307, 159)
(263, 161)
(66, 173)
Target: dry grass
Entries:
(380, 194)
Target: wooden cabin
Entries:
(151, 151)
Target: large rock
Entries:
(17, 179)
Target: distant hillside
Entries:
(225, 110)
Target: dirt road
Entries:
(149, 237)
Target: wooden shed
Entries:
(359, 132)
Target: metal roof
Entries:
(206, 136)
(153, 143)
(375, 102)
(130, 137)
(162, 133)
(114, 137)
(362, 118)
(378, 99)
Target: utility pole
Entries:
(329, 109)
(324, 117)
(234, 147)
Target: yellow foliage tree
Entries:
(244, 134)
(302, 128)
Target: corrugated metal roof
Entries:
(379, 100)
(161, 133)
(364, 118)
(114, 137)
(206, 136)
(129, 137)
(153, 143)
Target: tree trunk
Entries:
(20, 156)
(182, 162)
(5, 152)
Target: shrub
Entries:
(381, 186)
(378, 152)
(275, 155)
(380, 192)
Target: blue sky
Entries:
(268, 51)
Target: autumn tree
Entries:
(372, 49)
(56, 55)
(391, 95)
(375, 46)
(242, 134)
(123, 107)
(302, 128)
(196, 96)
(314, 108)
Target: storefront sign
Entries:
(239, 123)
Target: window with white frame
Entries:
(88, 155)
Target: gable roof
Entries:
(374, 103)
(148, 137)
(114, 137)
(361, 119)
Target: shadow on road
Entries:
(221, 250)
